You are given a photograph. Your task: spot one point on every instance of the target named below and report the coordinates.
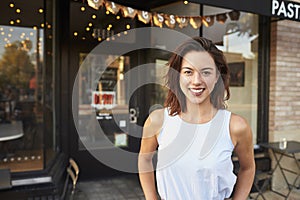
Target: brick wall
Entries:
(284, 115)
(284, 80)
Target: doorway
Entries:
(113, 95)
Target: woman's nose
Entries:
(197, 78)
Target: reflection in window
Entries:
(239, 42)
(102, 88)
(21, 92)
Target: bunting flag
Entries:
(182, 21)
(170, 21)
(129, 12)
(195, 22)
(95, 3)
(221, 18)
(159, 19)
(208, 20)
(144, 16)
(112, 7)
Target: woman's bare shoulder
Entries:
(239, 127)
(156, 117)
(154, 123)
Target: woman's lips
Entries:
(197, 91)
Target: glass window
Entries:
(102, 87)
(238, 39)
(26, 86)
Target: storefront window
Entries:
(238, 39)
(102, 87)
(25, 101)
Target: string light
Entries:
(94, 16)
(41, 10)
(82, 8)
(195, 21)
(11, 5)
(75, 33)
(18, 10)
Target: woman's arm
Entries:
(241, 135)
(149, 145)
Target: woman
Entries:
(194, 135)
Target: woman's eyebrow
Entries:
(207, 68)
(185, 67)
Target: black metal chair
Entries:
(70, 190)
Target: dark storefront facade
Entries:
(65, 65)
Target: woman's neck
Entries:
(197, 113)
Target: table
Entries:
(11, 131)
(292, 148)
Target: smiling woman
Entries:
(194, 134)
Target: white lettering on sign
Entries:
(160, 18)
(286, 9)
(145, 14)
(172, 19)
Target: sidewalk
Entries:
(127, 187)
(124, 187)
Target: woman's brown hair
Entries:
(176, 100)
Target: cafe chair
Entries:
(70, 190)
(262, 181)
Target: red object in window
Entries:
(96, 99)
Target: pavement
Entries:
(127, 187)
(122, 187)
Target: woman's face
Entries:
(198, 76)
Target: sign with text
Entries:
(272, 8)
(286, 9)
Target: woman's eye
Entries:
(188, 72)
(206, 73)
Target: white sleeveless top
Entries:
(194, 160)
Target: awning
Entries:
(273, 8)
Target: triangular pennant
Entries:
(144, 16)
(158, 19)
(128, 12)
(170, 21)
(95, 3)
(208, 20)
(182, 21)
(195, 22)
(221, 18)
(112, 7)
(234, 15)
